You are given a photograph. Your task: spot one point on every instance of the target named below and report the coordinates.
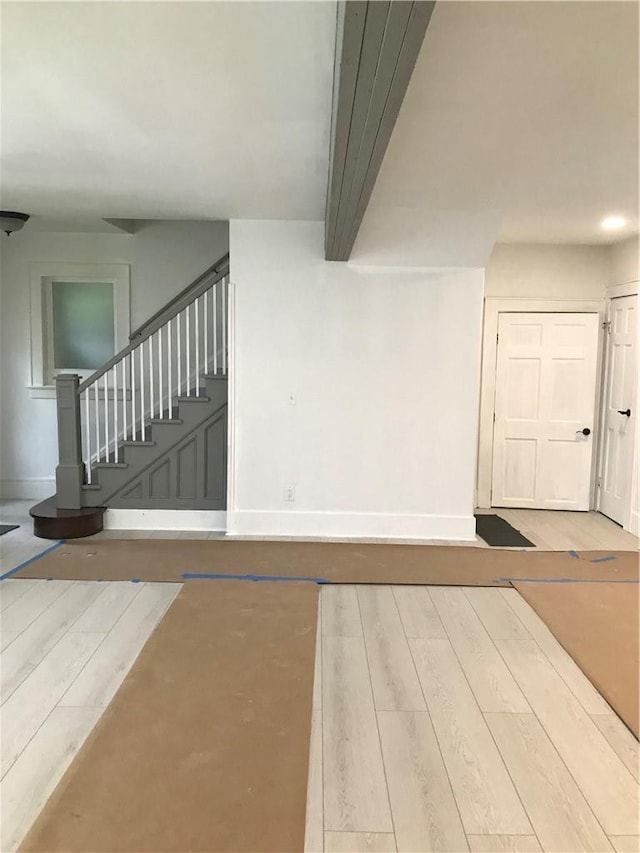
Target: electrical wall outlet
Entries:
(290, 493)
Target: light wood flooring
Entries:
(443, 719)
(450, 719)
(66, 646)
(20, 545)
(556, 530)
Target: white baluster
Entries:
(188, 337)
(179, 348)
(169, 368)
(87, 433)
(142, 411)
(106, 417)
(160, 382)
(115, 414)
(124, 398)
(95, 387)
(224, 325)
(197, 325)
(206, 332)
(151, 408)
(132, 364)
(215, 328)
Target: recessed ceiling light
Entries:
(613, 223)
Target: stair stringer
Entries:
(192, 474)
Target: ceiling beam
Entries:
(377, 44)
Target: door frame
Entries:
(616, 291)
(493, 307)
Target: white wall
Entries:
(164, 257)
(384, 370)
(624, 261)
(528, 271)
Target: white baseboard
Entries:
(352, 525)
(634, 524)
(165, 519)
(34, 489)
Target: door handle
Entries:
(626, 412)
(585, 431)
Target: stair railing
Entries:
(165, 360)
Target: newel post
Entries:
(70, 470)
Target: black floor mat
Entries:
(5, 528)
(499, 533)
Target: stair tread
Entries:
(166, 421)
(194, 398)
(215, 375)
(111, 465)
(141, 443)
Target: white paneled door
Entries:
(544, 410)
(619, 412)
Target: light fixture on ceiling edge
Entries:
(11, 221)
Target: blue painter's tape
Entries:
(188, 576)
(574, 554)
(565, 580)
(603, 559)
(33, 559)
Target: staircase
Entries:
(147, 430)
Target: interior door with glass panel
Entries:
(620, 402)
(544, 410)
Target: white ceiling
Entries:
(167, 110)
(520, 123)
